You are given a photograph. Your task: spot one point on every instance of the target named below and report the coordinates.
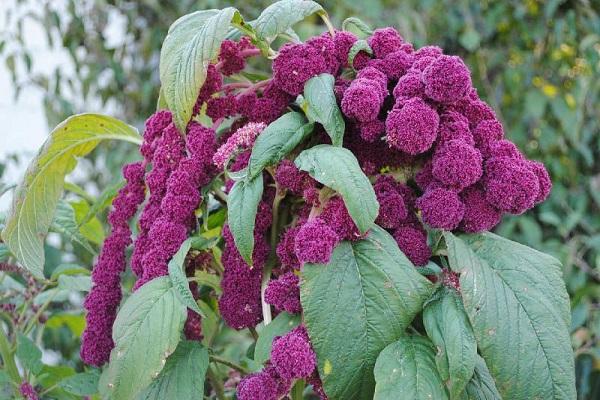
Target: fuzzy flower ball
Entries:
(454, 126)
(336, 216)
(413, 128)
(295, 64)
(441, 208)
(292, 355)
(479, 215)
(511, 185)
(315, 241)
(486, 133)
(244, 137)
(27, 391)
(285, 249)
(413, 243)
(284, 293)
(289, 177)
(392, 209)
(544, 181)
(457, 164)
(343, 41)
(409, 86)
(363, 100)
(447, 79)
(385, 41)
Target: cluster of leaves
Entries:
(565, 90)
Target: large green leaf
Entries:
(178, 277)
(83, 384)
(482, 385)
(321, 106)
(65, 222)
(280, 325)
(146, 331)
(191, 43)
(36, 197)
(519, 310)
(182, 378)
(242, 206)
(337, 168)
(448, 327)
(29, 354)
(357, 304)
(277, 140)
(282, 15)
(408, 367)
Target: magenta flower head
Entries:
(385, 41)
(27, 391)
(325, 45)
(285, 249)
(372, 130)
(475, 110)
(428, 51)
(454, 126)
(424, 177)
(409, 86)
(447, 79)
(221, 107)
(284, 293)
(242, 138)
(361, 60)
(479, 215)
(289, 177)
(504, 148)
(413, 128)
(392, 209)
(292, 355)
(510, 184)
(295, 64)
(258, 386)
(395, 64)
(336, 216)
(544, 180)
(343, 41)
(487, 132)
(154, 127)
(363, 100)
(315, 241)
(373, 74)
(413, 243)
(232, 57)
(457, 164)
(441, 208)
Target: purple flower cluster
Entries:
(240, 303)
(103, 299)
(27, 391)
(284, 293)
(292, 357)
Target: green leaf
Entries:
(75, 322)
(482, 385)
(65, 223)
(80, 283)
(210, 323)
(242, 206)
(83, 384)
(277, 140)
(208, 279)
(103, 201)
(321, 106)
(91, 229)
(37, 196)
(450, 331)
(68, 269)
(358, 24)
(356, 305)
(357, 47)
(282, 15)
(4, 252)
(519, 310)
(191, 43)
(182, 378)
(280, 325)
(29, 354)
(146, 331)
(408, 367)
(178, 277)
(337, 168)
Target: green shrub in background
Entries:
(537, 62)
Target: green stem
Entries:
(328, 24)
(229, 363)
(297, 392)
(216, 383)
(253, 333)
(8, 358)
(266, 308)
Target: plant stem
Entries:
(253, 333)
(328, 24)
(7, 358)
(297, 392)
(229, 363)
(216, 383)
(266, 308)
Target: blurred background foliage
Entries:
(536, 62)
